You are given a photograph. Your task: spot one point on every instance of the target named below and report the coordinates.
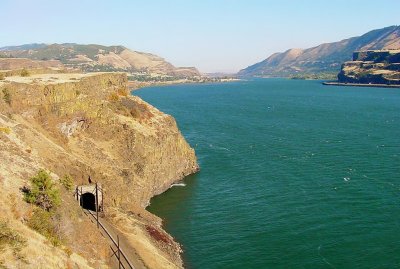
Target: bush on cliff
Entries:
(46, 196)
(24, 73)
(43, 192)
(67, 182)
(7, 96)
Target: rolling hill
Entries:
(93, 57)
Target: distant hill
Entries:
(24, 47)
(92, 57)
(325, 58)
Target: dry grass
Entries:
(9, 238)
(113, 97)
(13, 204)
(5, 130)
(46, 223)
(122, 92)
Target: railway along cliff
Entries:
(73, 126)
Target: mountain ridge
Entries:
(94, 57)
(326, 57)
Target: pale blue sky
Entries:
(213, 35)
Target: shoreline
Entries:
(179, 180)
(360, 85)
(138, 85)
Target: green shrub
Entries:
(7, 96)
(25, 73)
(67, 182)
(10, 238)
(43, 192)
(2, 76)
(44, 222)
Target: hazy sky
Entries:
(213, 35)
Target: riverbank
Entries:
(137, 85)
(360, 85)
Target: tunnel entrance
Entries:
(90, 196)
(88, 201)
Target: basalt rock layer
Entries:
(372, 67)
(88, 125)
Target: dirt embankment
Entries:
(84, 125)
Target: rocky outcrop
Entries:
(372, 67)
(85, 125)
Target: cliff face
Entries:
(372, 67)
(326, 57)
(85, 125)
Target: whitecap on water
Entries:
(181, 184)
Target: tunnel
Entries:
(88, 201)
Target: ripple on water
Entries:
(294, 175)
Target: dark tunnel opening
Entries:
(88, 201)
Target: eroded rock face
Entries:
(91, 126)
(69, 128)
(372, 67)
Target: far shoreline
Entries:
(333, 83)
(138, 85)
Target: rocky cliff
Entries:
(325, 58)
(372, 67)
(88, 125)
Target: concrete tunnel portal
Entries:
(87, 196)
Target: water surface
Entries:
(294, 175)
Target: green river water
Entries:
(294, 174)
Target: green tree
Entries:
(43, 192)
